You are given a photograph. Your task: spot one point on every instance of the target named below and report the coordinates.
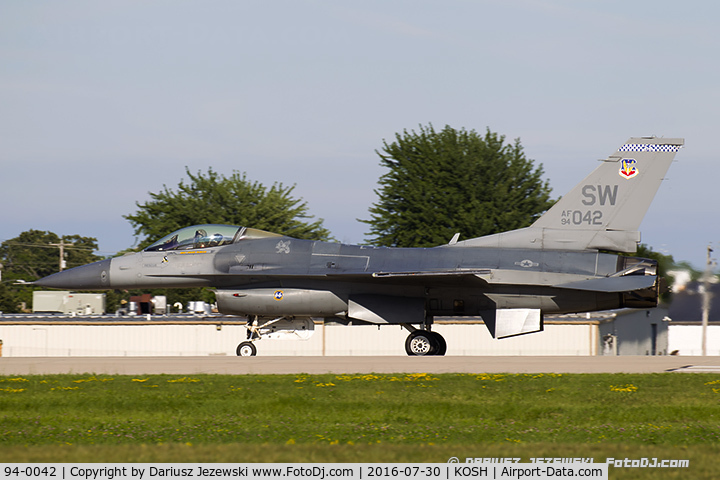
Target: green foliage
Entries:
(367, 418)
(214, 198)
(440, 183)
(32, 255)
(371, 409)
(666, 263)
(695, 274)
(376, 418)
(234, 200)
(9, 299)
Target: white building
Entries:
(628, 332)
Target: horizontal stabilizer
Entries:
(613, 284)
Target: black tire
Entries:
(441, 344)
(421, 343)
(246, 349)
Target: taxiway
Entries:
(353, 365)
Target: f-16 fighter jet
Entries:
(560, 264)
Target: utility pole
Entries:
(706, 298)
(62, 246)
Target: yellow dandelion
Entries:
(623, 388)
(83, 380)
(184, 380)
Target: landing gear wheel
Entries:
(246, 349)
(421, 343)
(440, 342)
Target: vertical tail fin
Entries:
(605, 210)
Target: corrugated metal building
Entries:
(635, 332)
(628, 332)
(189, 335)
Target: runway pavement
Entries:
(351, 365)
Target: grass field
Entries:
(364, 418)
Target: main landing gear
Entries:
(424, 342)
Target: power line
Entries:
(51, 245)
(74, 247)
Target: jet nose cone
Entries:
(94, 276)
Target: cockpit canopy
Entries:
(206, 236)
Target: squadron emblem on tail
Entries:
(629, 169)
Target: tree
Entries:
(665, 263)
(441, 183)
(214, 198)
(234, 200)
(32, 255)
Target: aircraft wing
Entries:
(438, 277)
(431, 273)
(613, 284)
(444, 277)
(480, 277)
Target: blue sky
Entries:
(102, 102)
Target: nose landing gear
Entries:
(246, 349)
